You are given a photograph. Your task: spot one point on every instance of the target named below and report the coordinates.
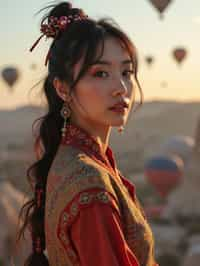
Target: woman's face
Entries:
(107, 82)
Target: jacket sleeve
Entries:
(98, 238)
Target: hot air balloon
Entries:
(33, 66)
(179, 54)
(181, 146)
(149, 60)
(10, 76)
(160, 5)
(164, 173)
(163, 84)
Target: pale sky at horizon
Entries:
(180, 27)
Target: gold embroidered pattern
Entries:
(136, 230)
(87, 176)
(71, 211)
(74, 209)
(102, 196)
(85, 198)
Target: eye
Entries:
(128, 73)
(100, 74)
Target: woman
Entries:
(84, 212)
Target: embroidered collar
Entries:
(80, 138)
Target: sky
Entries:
(19, 28)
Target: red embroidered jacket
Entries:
(92, 215)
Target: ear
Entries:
(61, 88)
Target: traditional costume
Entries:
(92, 214)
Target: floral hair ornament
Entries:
(54, 26)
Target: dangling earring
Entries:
(65, 113)
(120, 129)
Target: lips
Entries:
(119, 108)
(120, 105)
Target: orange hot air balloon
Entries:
(179, 54)
(160, 5)
(149, 60)
(10, 76)
(164, 173)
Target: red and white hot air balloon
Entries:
(164, 173)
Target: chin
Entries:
(120, 122)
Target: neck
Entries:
(100, 132)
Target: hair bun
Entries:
(58, 19)
(63, 9)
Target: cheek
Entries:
(93, 95)
(91, 100)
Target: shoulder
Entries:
(80, 178)
(76, 167)
(69, 160)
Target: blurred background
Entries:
(159, 149)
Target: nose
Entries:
(123, 85)
(121, 88)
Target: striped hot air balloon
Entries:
(164, 173)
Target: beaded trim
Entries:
(70, 213)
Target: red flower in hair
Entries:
(63, 21)
(56, 25)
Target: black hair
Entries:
(80, 40)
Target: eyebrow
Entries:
(102, 62)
